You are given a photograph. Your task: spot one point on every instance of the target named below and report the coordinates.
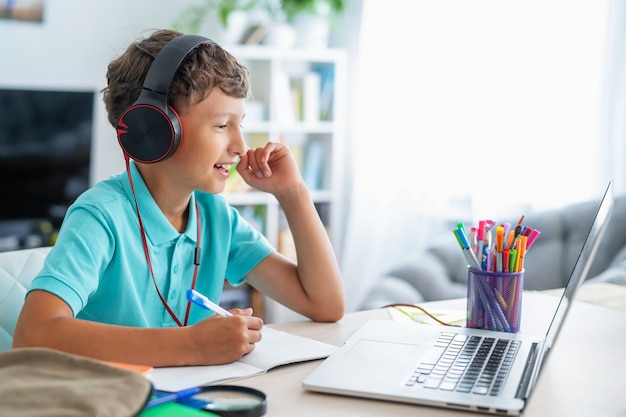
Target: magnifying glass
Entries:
(229, 401)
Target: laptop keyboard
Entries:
(468, 364)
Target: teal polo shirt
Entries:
(98, 265)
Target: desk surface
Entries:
(589, 348)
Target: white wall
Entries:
(71, 49)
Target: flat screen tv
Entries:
(45, 153)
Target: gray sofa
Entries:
(440, 271)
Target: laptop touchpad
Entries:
(377, 351)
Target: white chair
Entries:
(17, 270)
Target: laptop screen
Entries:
(583, 263)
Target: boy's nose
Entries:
(238, 143)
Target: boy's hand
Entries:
(271, 169)
(219, 340)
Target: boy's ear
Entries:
(149, 130)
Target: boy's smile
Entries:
(224, 168)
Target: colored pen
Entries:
(199, 299)
(512, 259)
(521, 253)
(510, 239)
(505, 259)
(174, 396)
(505, 229)
(480, 243)
(532, 237)
(472, 239)
(499, 247)
(467, 252)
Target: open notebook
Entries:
(452, 367)
(275, 349)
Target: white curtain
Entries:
(465, 110)
(615, 88)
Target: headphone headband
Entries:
(168, 60)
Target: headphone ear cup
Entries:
(150, 130)
(149, 134)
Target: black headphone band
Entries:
(168, 60)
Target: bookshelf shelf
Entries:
(298, 98)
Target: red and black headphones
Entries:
(149, 130)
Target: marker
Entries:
(512, 259)
(532, 237)
(467, 252)
(521, 254)
(505, 229)
(500, 298)
(480, 242)
(174, 396)
(505, 259)
(499, 247)
(510, 239)
(199, 299)
(472, 241)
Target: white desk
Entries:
(590, 348)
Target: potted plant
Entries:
(327, 9)
(226, 18)
(311, 18)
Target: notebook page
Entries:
(275, 349)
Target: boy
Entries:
(113, 287)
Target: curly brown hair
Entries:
(207, 67)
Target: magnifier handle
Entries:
(174, 396)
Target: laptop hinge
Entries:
(528, 377)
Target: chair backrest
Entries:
(17, 270)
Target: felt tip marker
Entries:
(534, 234)
(467, 252)
(199, 299)
(480, 241)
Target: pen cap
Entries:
(481, 230)
(499, 238)
(532, 237)
(522, 246)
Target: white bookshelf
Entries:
(287, 86)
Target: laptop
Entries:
(445, 366)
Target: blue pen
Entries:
(174, 396)
(199, 299)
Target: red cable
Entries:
(147, 253)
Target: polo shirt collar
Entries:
(157, 228)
